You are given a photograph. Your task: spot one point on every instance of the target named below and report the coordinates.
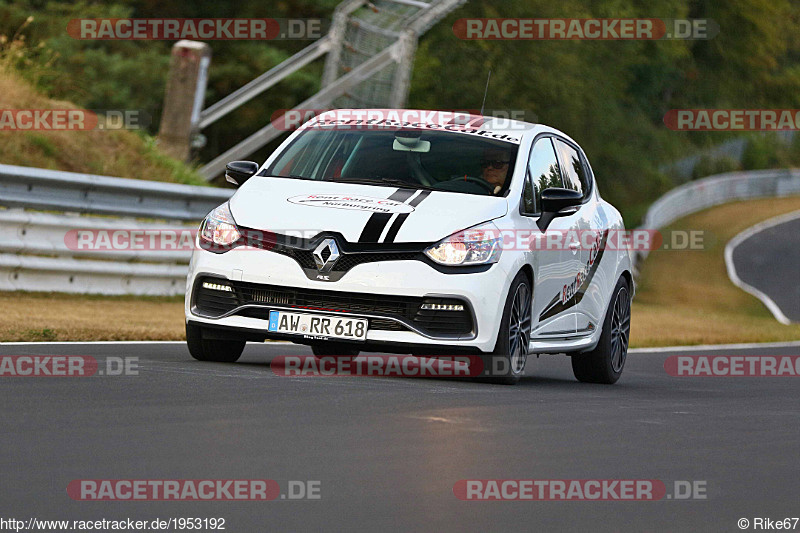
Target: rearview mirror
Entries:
(558, 202)
(237, 172)
(410, 142)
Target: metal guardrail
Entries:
(715, 190)
(42, 251)
(31, 232)
(722, 188)
(34, 273)
(36, 188)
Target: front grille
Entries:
(348, 261)
(316, 300)
(303, 251)
(386, 325)
(217, 303)
(374, 323)
(304, 258)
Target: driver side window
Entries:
(574, 171)
(543, 172)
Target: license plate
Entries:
(318, 326)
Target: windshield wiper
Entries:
(386, 181)
(292, 176)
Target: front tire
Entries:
(604, 364)
(216, 350)
(506, 363)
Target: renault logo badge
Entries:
(326, 260)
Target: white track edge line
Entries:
(76, 343)
(743, 346)
(734, 277)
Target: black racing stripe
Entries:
(372, 231)
(398, 222)
(548, 311)
(401, 195)
(418, 200)
(396, 227)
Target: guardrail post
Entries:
(402, 74)
(336, 35)
(183, 101)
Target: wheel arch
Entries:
(628, 276)
(527, 269)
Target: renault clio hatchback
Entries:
(430, 236)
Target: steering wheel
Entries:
(479, 181)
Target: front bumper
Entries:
(483, 292)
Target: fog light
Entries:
(442, 307)
(217, 287)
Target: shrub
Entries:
(709, 165)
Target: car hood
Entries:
(361, 213)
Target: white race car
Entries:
(471, 235)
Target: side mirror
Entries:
(237, 172)
(558, 202)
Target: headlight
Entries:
(479, 245)
(219, 228)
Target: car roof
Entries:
(516, 129)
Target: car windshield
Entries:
(442, 161)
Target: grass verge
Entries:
(684, 297)
(70, 317)
(120, 153)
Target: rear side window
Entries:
(574, 171)
(543, 172)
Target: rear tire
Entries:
(605, 363)
(332, 349)
(506, 364)
(216, 350)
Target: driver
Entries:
(494, 166)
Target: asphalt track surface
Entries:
(389, 450)
(770, 262)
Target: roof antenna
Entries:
(486, 91)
